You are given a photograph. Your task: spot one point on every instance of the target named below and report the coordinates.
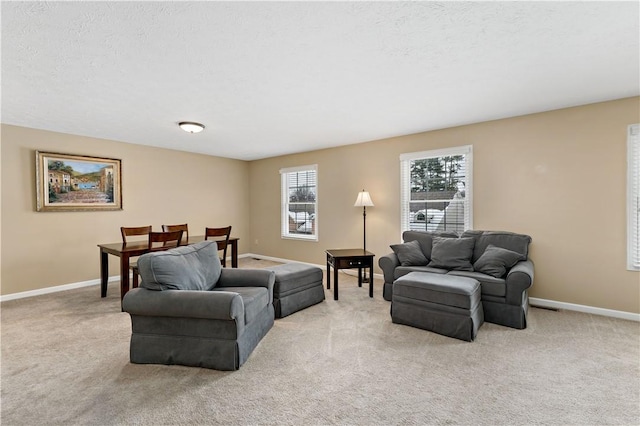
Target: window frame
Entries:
(284, 204)
(633, 197)
(405, 181)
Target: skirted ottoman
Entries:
(445, 304)
(297, 287)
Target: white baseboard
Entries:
(278, 259)
(544, 303)
(54, 289)
(71, 286)
(533, 301)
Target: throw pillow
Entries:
(410, 254)
(452, 253)
(496, 260)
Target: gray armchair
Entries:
(188, 310)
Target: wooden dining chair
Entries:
(219, 233)
(184, 228)
(133, 231)
(158, 241)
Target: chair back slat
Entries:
(183, 227)
(164, 240)
(130, 231)
(218, 233)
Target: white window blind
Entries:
(436, 190)
(633, 197)
(299, 202)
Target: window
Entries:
(300, 202)
(633, 198)
(436, 191)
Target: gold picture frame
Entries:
(66, 182)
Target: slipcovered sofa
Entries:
(498, 260)
(189, 310)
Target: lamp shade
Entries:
(363, 200)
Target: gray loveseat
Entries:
(189, 310)
(498, 260)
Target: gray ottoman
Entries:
(445, 304)
(297, 286)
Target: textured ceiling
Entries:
(271, 78)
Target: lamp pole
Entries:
(364, 222)
(364, 200)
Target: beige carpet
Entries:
(65, 361)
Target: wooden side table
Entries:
(349, 259)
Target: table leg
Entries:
(359, 277)
(234, 254)
(371, 280)
(124, 276)
(335, 283)
(328, 274)
(104, 272)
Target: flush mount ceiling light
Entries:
(191, 127)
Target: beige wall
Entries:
(558, 176)
(45, 249)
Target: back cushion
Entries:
(508, 240)
(426, 239)
(193, 267)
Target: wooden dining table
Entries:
(125, 251)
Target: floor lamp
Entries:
(364, 201)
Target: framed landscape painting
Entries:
(66, 182)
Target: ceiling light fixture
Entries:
(191, 127)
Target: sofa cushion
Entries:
(193, 267)
(291, 277)
(452, 253)
(404, 270)
(410, 254)
(508, 240)
(496, 260)
(489, 285)
(447, 290)
(255, 299)
(426, 239)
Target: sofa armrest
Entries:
(234, 277)
(519, 278)
(388, 263)
(219, 305)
